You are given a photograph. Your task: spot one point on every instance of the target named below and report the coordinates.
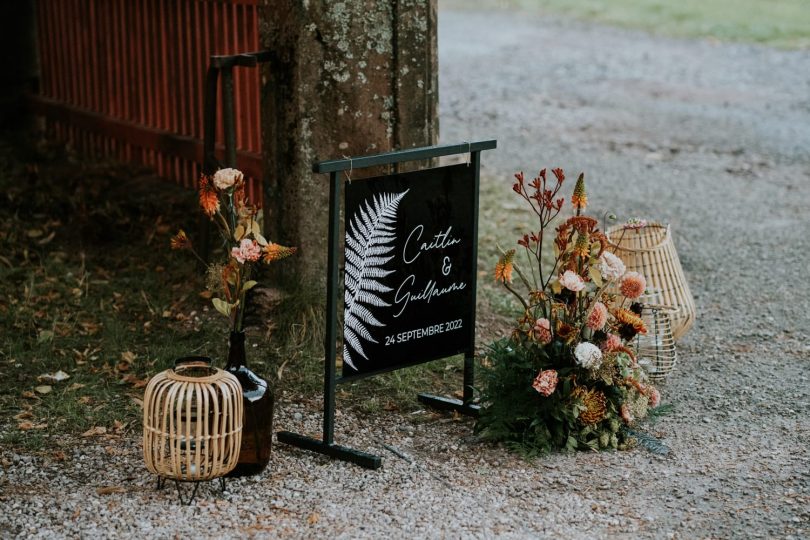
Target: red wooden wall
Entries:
(125, 79)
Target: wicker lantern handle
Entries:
(192, 361)
(658, 245)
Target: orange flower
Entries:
(180, 240)
(625, 316)
(503, 270)
(209, 200)
(579, 199)
(275, 252)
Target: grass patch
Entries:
(779, 23)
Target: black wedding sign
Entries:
(408, 274)
(409, 256)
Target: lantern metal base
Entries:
(161, 482)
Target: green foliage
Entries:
(526, 421)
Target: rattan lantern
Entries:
(650, 251)
(192, 422)
(656, 352)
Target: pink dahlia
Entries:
(571, 281)
(598, 317)
(248, 250)
(545, 382)
(633, 285)
(654, 396)
(612, 343)
(542, 330)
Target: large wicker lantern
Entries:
(650, 251)
(192, 422)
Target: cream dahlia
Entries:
(588, 355)
(610, 266)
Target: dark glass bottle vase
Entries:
(257, 429)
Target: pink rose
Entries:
(545, 382)
(225, 178)
(598, 317)
(248, 250)
(571, 281)
(542, 330)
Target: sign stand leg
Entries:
(465, 405)
(327, 445)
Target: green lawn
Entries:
(779, 23)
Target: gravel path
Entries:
(712, 138)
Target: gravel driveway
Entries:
(713, 138)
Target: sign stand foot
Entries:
(368, 461)
(449, 404)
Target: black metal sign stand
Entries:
(327, 444)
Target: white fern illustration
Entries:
(369, 240)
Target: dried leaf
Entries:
(85, 400)
(59, 376)
(109, 490)
(128, 357)
(206, 294)
(95, 431)
(29, 395)
(138, 402)
(75, 386)
(25, 426)
(44, 336)
(313, 518)
(118, 425)
(25, 415)
(58, 455)
(44, 389)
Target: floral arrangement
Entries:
(565, 378)
(223, 199)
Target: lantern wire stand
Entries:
(161, 483)
(192, 424)
(656, 351)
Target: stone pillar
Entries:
(347, 78)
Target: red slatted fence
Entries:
(125, 79)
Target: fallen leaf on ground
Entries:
(44, 389)
(108, 490)
(75, 386)
(25, 426)
(134, 381)
(118, 425)
(138, 402)
(313, 518)
(95, 431)
(25, 415)
(59, 376)
(29, 395)
(58, 455)
(85, 400)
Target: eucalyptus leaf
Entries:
(249, 285)
(222, 306)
